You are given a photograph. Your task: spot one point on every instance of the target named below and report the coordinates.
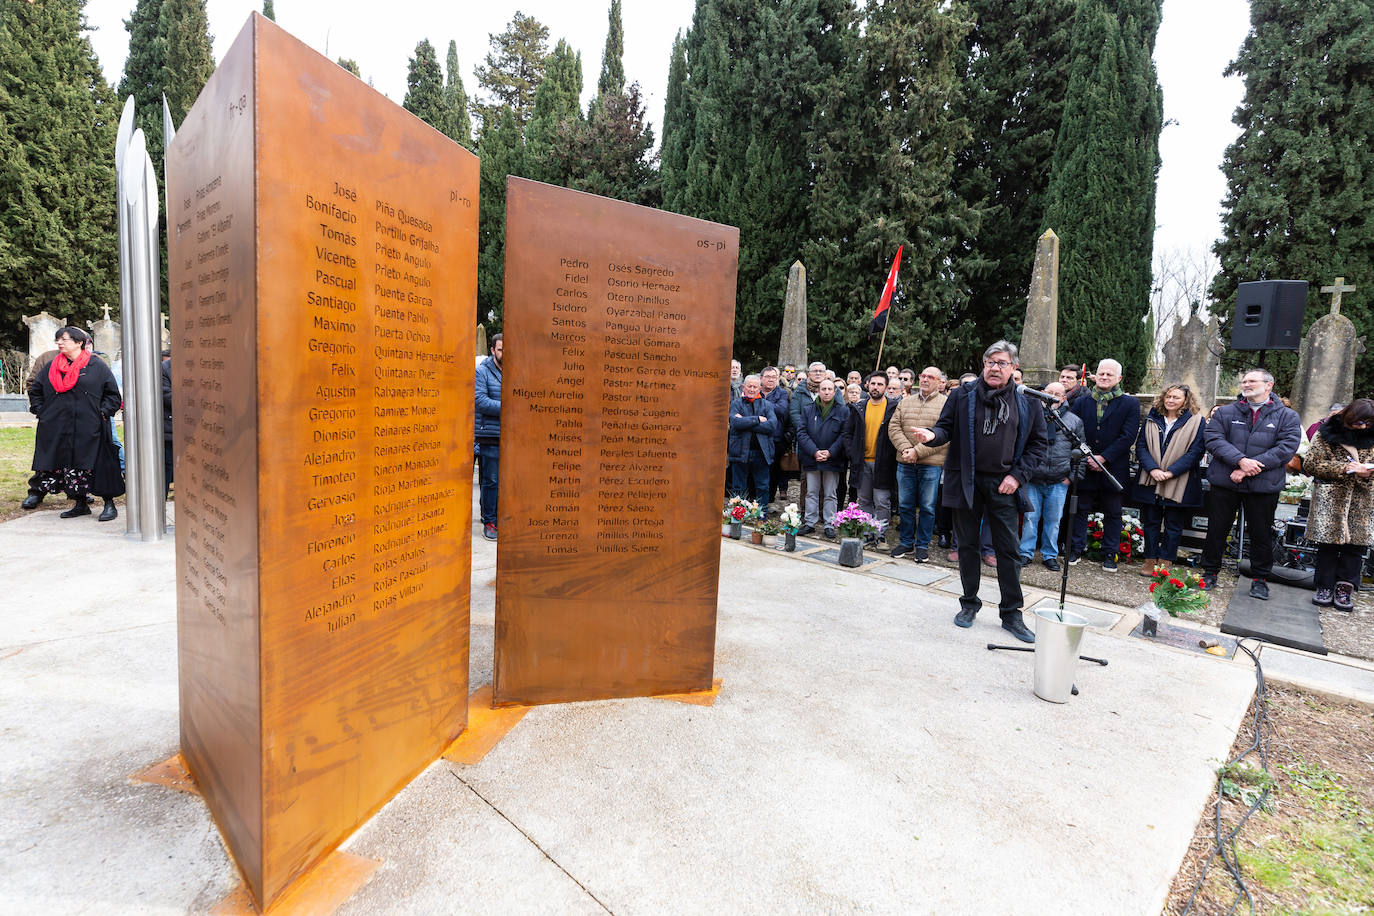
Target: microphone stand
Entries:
(1078, 452)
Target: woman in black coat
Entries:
(74, 401)
(1169, 448)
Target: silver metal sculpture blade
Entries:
(168, 131)
(140, 319)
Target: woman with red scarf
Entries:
(74, 401)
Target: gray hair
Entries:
(816, 365)
(1007, 347)
(1110, 362)
(1262, 373)
(755, 377)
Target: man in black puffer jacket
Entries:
(1250, 442)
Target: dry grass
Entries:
(1312, 850)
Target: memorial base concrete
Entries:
(864, 754)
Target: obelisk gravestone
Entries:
(792, 346)
(1040, 333)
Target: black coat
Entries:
(955, 427)
(71, 423)
(1111, 437)
(1186, 464)
(823, 434)
(884, 454)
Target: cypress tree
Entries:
(502, 153)
(268, 10)
(674, 150)
(1300, 177)
(457, 123)
(1101, 198)
(557, 100)
(1015, 75)
(58, 244)
(184, 38)
(755, 76)
(350, 65)
(425, 87)
(885, 147)
(143, 74)
(611, 153)
(513, 69)
(612, 79)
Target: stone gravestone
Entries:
(1326, 360)
(43, 329)
(1040, 334)
(618, 328)
(792, 346)
(107, 334)
(1189, 360)
(323, 287)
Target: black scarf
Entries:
(996, 404)
(1337, 433)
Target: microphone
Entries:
(1047, 398)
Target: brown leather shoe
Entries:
(1148, 570)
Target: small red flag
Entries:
(880, 313)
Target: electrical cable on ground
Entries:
(1225, 847)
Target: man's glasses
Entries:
(996, 363)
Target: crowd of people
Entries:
(981, 465)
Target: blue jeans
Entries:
(750, 478)
(114, 432)
(489, 464)
(918, 486)
(1047, 508)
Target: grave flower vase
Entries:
(1056, 653)
(790, 541)
(736, 530)
(756, 536)
(725, 529)
(851, 552)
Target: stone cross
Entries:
(792, 346)
(106, 332)
(1335, 290)
(1040, 333)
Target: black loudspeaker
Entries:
(1269, 315)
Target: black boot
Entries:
(79, 508)
(109, 512)
(31, 501)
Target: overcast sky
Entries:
(1196, 42)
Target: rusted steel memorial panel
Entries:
(323, 289)
(617, 332)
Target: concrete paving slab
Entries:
(1343, 677)
(1098, 618)
(864, 754)
(913, 573)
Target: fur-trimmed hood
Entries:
(1336, 433)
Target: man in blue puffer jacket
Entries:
(487, 431)
(1250, 442)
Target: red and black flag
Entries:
(879, 322)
